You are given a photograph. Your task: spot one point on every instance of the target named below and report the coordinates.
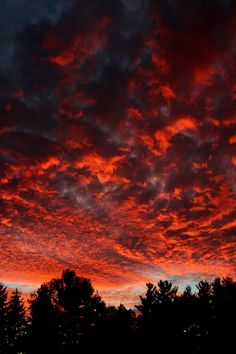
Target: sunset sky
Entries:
(117, 142)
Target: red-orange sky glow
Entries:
(118, 142)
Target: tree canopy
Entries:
(66, 315)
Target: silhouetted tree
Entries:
(204, 306)
(3, 318)
(125, 326)
(148, 304)
(70, 307)
(79, 307)
(187, 324)
(16, 323)
(67, 316)
(167, 325)
(158, 311)
(116, 329)
(224, 313)
(188, 301)
(166, 293)
(44, 333)
(200, 327)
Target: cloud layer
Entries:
(118, 141)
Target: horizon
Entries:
(129, 300)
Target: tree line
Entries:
(66, 315)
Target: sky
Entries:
(117, 142)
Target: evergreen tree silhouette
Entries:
(68, 316)
(16, 323)
(201, 327)
(3, 318)
(167, 324)
(148, 302)
(158, 310)
(204, 296)
(187, 314)
(224, 314)
(166, 293)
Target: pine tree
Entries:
(16, 322)
(148, 303)
(3, 318)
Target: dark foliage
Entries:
(67, 316)
(16, 323)
(3, 317)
